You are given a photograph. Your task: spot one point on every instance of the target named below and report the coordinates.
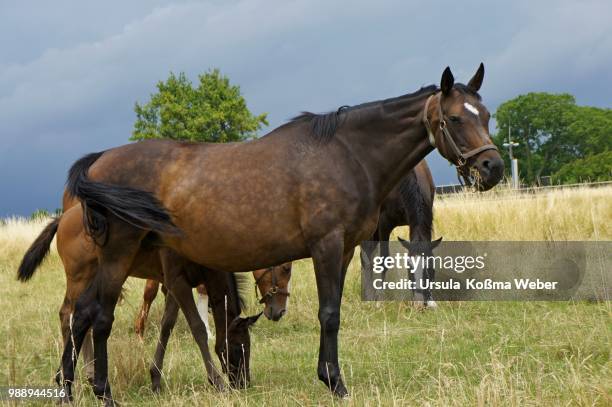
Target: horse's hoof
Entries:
(432, 304)
(217, 383)
(341, 392)
(156, 388)
(108, 402)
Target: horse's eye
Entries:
(455, 119)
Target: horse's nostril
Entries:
(486, 164)
(282, 312)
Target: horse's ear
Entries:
(252, 319)
(447, 82)
(240, 322)
(404, 243)
(476, 82)
(436, 243)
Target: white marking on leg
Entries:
(471, 108)
(70, 323)
(202, 306)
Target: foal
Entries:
(272, 283)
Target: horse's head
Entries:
(418, 248)
(273, 284)
(238, 351)
(458, 126)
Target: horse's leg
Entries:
(87, 347)
(384, 233)
(327, 256)
(112, 276)
(150, 292)
(178, 286)
(420, 233)
(78, 323)
(115, 260)
(168, 321)
(203, 307)
(223, 315)
(368, 249)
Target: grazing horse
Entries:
(410, 203)
(80, 262)
(272, 283)
(310, 188)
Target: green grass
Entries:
(469, 353)
(463, 353)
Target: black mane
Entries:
(323, 126)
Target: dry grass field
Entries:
(478, 353)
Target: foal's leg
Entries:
(168, 321)
(178, 286)
(203, 307)
(150, 292)
(328, 258)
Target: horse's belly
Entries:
(231, 239)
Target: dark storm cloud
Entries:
(70, 73)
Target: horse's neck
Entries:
(390, 144)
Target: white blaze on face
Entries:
(471, 108)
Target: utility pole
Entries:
(513, 161)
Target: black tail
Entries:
(139, 208)
(37, 252)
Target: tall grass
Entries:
(391, 354)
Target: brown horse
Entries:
(272, 283)
(80, 264)
(311, 188)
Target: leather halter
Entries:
(461, 159)
(272, 291)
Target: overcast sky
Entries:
(70, 71)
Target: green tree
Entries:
(539, 122)
(213, 111)
(591, 130)
(552, 131)
(596, 167)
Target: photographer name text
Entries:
(470, 284)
